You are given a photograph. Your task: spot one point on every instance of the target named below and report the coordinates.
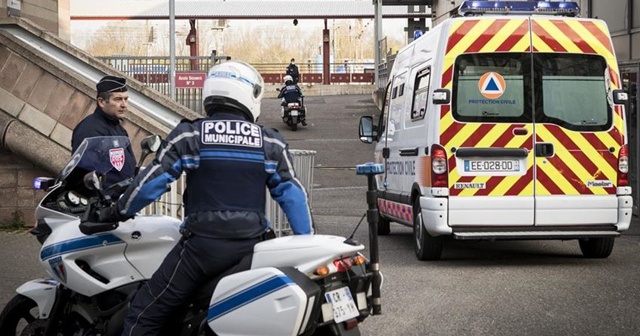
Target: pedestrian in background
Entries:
(292, 70)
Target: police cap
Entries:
(111, 84)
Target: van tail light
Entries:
(439, 169)
(623, 166)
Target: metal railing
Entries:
(154, 72)
(170, 203)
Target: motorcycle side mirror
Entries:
(92, 181)
(278, 89)
(149, 145)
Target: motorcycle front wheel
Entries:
(20, 317)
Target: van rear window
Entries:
(569, 90)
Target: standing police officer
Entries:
(228, 160)
(292, 70)
(111, 106)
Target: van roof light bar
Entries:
(474, 8)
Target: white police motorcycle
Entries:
(293, 285)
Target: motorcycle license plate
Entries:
(342, 304)
(294, 113)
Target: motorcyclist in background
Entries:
(291, 93)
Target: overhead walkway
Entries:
(47, 86)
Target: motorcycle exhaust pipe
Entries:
(370, 169)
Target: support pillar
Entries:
(192, 42)
(326, 52)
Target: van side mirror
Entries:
(620, 97)
(441, 96)
(366, 128)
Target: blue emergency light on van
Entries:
(470, 8)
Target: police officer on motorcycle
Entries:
(291, 93)
(228, 160)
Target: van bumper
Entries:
(435, 215)
(625, 211)
(435, 220)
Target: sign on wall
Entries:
(13, 7)
(190, 79)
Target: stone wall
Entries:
(52, 15)
(18, 199)
(40, 105)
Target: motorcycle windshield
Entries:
(100, 154)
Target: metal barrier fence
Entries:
(170, 203)
(154, 72)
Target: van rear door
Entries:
(488, 130)
(579, 132)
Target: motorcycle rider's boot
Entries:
(304, 122)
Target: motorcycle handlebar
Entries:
(90, 228)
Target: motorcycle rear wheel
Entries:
(336, 329)
(20, 317)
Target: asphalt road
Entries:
(487, 288)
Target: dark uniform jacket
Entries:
(290, 93)
(101, 124)
(292, 70)
(228, 162)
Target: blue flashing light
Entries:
(471, 8)
(369, 168)
(37, 183)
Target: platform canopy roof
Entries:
(238, 9)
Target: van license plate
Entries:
(489, 166)
(342, 303)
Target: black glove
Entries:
(98, 219)
(111, 215)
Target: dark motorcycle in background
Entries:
(294, 113)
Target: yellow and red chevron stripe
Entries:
(581, 157)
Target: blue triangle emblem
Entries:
(492, 85)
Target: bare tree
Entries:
(118, 39)
(351, 40)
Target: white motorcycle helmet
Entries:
(288, 79)
(234, 84)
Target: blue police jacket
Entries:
(290, 93)
(100, 124)
(228, 162)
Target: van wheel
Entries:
(426, 246)
(596, 247)
(384, 225)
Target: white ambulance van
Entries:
(506, 122)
